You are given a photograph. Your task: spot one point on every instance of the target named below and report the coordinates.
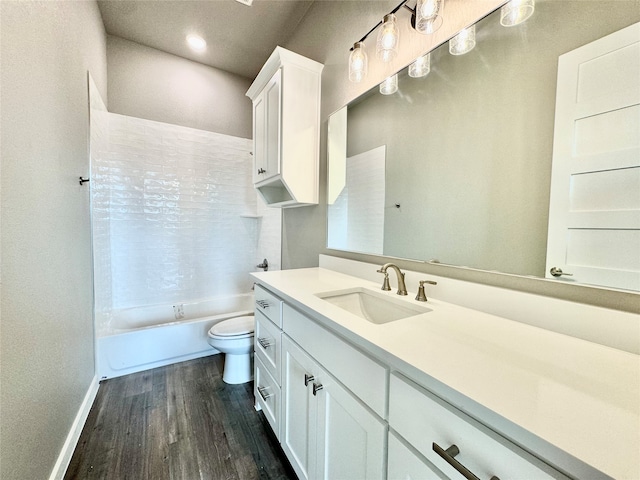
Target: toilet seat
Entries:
(233, 327)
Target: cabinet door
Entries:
(406, 464)
(259, 137)
(298, 409)
(350, 438)
(272, 97)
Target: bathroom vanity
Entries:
(442, 391)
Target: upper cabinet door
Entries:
(259, 135)
(594, 211)
(267, 109)
(273, 97)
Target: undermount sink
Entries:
(375, 307)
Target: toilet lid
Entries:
(233, 327)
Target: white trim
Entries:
(70, 443)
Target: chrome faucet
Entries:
(402, 288)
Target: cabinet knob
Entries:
(264, 343)
(307, 379)
(316, 388)
(263, 393)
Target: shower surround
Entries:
(175, 217)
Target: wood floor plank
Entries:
(179, 422)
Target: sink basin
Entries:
(376, 307)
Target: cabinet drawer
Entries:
(425, 420)
(267, 393)
(268, 339)
(365, 377)
(269, 305)
(406, 464)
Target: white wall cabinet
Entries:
(326, 432)
(286, 129)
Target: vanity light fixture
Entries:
(389, 85)
(421, 67)
(358, 63)
(196, 42)
(515, 12)
(428, 16)
(388, 39)
(463, 42)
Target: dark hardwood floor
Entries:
(179, 422)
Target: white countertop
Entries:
(550, 392)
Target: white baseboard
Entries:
(70, 443)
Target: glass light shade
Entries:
(421, 67)
(428, 16)
(463, 42)
(388, 39)
(390, 85)
(358, 63)
(516, 11)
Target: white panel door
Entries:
(298, 428)
(594, 211)
(351, 439)
(273, 98)
(259, 138)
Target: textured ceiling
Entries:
(239, 38)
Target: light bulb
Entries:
(196, 42)
(421, 67)
(463, 42)
(516, 11)
(357, 63)
(389, 85)
(428, 16)
(388, 38)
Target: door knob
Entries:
(557, 272)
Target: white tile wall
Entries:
(356, 219)
(168, 214)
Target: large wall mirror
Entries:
(456, 167)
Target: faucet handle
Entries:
(421, 297)
(385, 282)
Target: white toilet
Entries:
(234, 338)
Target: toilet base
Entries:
(238, 368)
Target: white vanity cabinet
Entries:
(286, 129)
(327, 433)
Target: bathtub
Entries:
(142, 338)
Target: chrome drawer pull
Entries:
(264, 343)
(263, 393)
(448, 455)
(308, 378)
(316, 388)
(262, 303)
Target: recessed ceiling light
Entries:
(245, 2)
(196, 42)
